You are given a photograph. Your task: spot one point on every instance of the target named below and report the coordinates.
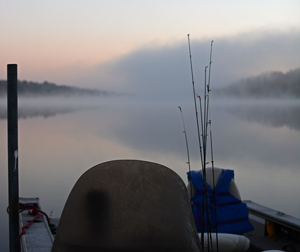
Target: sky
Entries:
(141, 46)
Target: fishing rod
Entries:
(187, 146)
(193, 83)
(204, 134)
(211, 145)
(200, 148)
(205, 124)
(200, 108)
(204, 185)
(207, 87)
(213, 172)
(199, 138)
(204, 141)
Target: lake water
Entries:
(60, 140)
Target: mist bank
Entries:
(267, 85)
(34, 89)
(162, 72)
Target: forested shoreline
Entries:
(271, 85)
(267, 85)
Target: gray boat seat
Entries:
(127, 205)
(209, 178)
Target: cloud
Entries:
(162, 72)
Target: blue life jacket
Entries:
(232, 214)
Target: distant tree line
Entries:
(272, 84)
(33, 89)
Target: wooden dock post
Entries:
(13, 170)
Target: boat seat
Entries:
(227, 242)
(127, 205)
(209, 178)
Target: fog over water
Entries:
(136, 54)
(60, 139)
(163, 71)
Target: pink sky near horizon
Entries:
(62, 40)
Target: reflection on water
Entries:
(47, 107)
(272, 116)
(29, 112)
(269, 115)
(261, 143)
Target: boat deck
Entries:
(279, 218)
(38, 237)
(265, 243)
(287, 229)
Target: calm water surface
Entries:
(59, 141)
